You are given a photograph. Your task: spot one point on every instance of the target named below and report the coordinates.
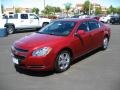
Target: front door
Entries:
(83, 42)
(34, 20)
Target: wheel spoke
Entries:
(64, 61)
(105, 43)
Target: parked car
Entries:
(59, 43)
(76, 16)
(96, 17)
(22, 21)
(86, 16)
(105, 19)
(115, 19)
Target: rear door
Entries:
(25, 22)
(96, 33)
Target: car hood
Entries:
(37, 40)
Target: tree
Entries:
(67, 7)
(49, 10)
(112, 10)
(35, 10)
(17, 10)
(57, 9)
(98, 10)
(118, 10)
(86, 6)
(2, 8)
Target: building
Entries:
(104, 10)
(12, 10)
(79, 8)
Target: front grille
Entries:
(20, 50)
(19, 57)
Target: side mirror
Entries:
(79, 32)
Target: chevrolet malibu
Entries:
(57, 44)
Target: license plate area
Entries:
(15, 60)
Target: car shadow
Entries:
(26, 31)
(49, 73)
(34, 73)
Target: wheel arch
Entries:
(44, 23)
(9, 24)
(67, 49)
(106, 35)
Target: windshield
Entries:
(59, 28)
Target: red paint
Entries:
(89, 41)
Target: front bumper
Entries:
(44, 63)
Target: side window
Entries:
(24, 16)
(15, 16)
(83, 26)
(93, 25)
(100, 24)
(32, 16)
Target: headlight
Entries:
(42, 51)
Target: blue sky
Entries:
(40, 3)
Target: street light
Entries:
(89, 7)
(44, 4)
(13, 6)
(0, 9)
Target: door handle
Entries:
(22, 21)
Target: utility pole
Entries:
(89, 7)
(13, 6)
(44, 4)
(0, 9)
(94, 9)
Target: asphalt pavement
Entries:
(97, 71)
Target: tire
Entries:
(112, 23)
(10, 29)
(105, 43)
(44, 24)
(63, 61)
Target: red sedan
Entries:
(60, 42)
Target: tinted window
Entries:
(100, 24)
(60, 28)
(24, 16)
(93, 25)
(83, 26)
